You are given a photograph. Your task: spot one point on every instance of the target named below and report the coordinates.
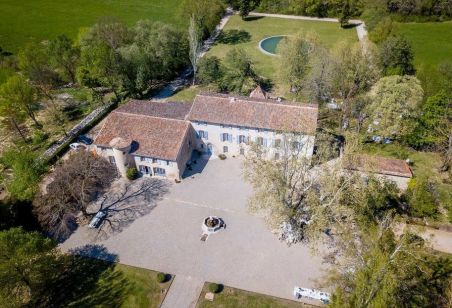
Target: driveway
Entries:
(246, 255)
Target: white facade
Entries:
(148, 166)
(234, 140)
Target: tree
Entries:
(396, 56)
(209, 70)
(17, 93)
(345, 14)
(64, 57)
(25, 262)
(394, 107)
(34, 63)
(296, 54)
(109, 31)
(318, 82)
(239, 75)
(282, 187)
(26, 171)
(208, 14)
(195, 41)
(76, 183)
(245, 8)
(384, 29)
(353, 73)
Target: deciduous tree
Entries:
(76, 182)
(395, 103)
(195, 41)
(396, 56)
(64, 57)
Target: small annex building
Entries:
(396, 170)
(158, 138)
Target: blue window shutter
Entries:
(230, 137)
(206, 135)
(264, 142)
(221, 137)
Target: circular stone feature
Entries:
(212, 224)
(269, 45)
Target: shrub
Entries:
(132, 174)
(161, 277)
(39, 137)
(421, 198)
(222, 156)
(215, 287)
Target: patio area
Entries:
(246, 255)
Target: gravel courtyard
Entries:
(245, 255)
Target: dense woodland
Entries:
(380, 92)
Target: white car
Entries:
(96, 221)
(77, 146)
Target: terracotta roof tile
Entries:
(377, 164)
(253, 112)
(170, 110)
(156, 137)
(258, 93)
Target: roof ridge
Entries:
(260, 101)
(148, 116)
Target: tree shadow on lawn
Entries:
(233, 37)
(252, 18)
(85, 281)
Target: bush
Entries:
(39, 137)
(132, 174)
(222, 156)
(215, 287)
(161, 277)
(420, 196)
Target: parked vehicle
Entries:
(97, 220)
(77, 146)
(311, 294)
(84, 139)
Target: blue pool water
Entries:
(270, 44)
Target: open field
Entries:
(45, 19)
(231, 297)
(432, 45)
(247, 34)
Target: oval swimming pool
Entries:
(269, 45)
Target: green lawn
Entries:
(232, 298)
(125, 286)
(247, 34)
(24, 20)
(432, 44)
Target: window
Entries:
(277, 143)
(203, 134)
(226, 137)
(242, 139)
(159, 171)
(225, 149)
(144, 169)
(112, 160)
(261, 141)
(296, 145)
(168, 163)
(142, 158)
(277, 156)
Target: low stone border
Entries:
(266, 52)
(87, 122)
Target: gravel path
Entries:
(184, 292)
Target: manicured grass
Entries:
(247, 35)
(232, 298)
(127, 286)
(25, 20)
(145, 291)
(432, 45)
